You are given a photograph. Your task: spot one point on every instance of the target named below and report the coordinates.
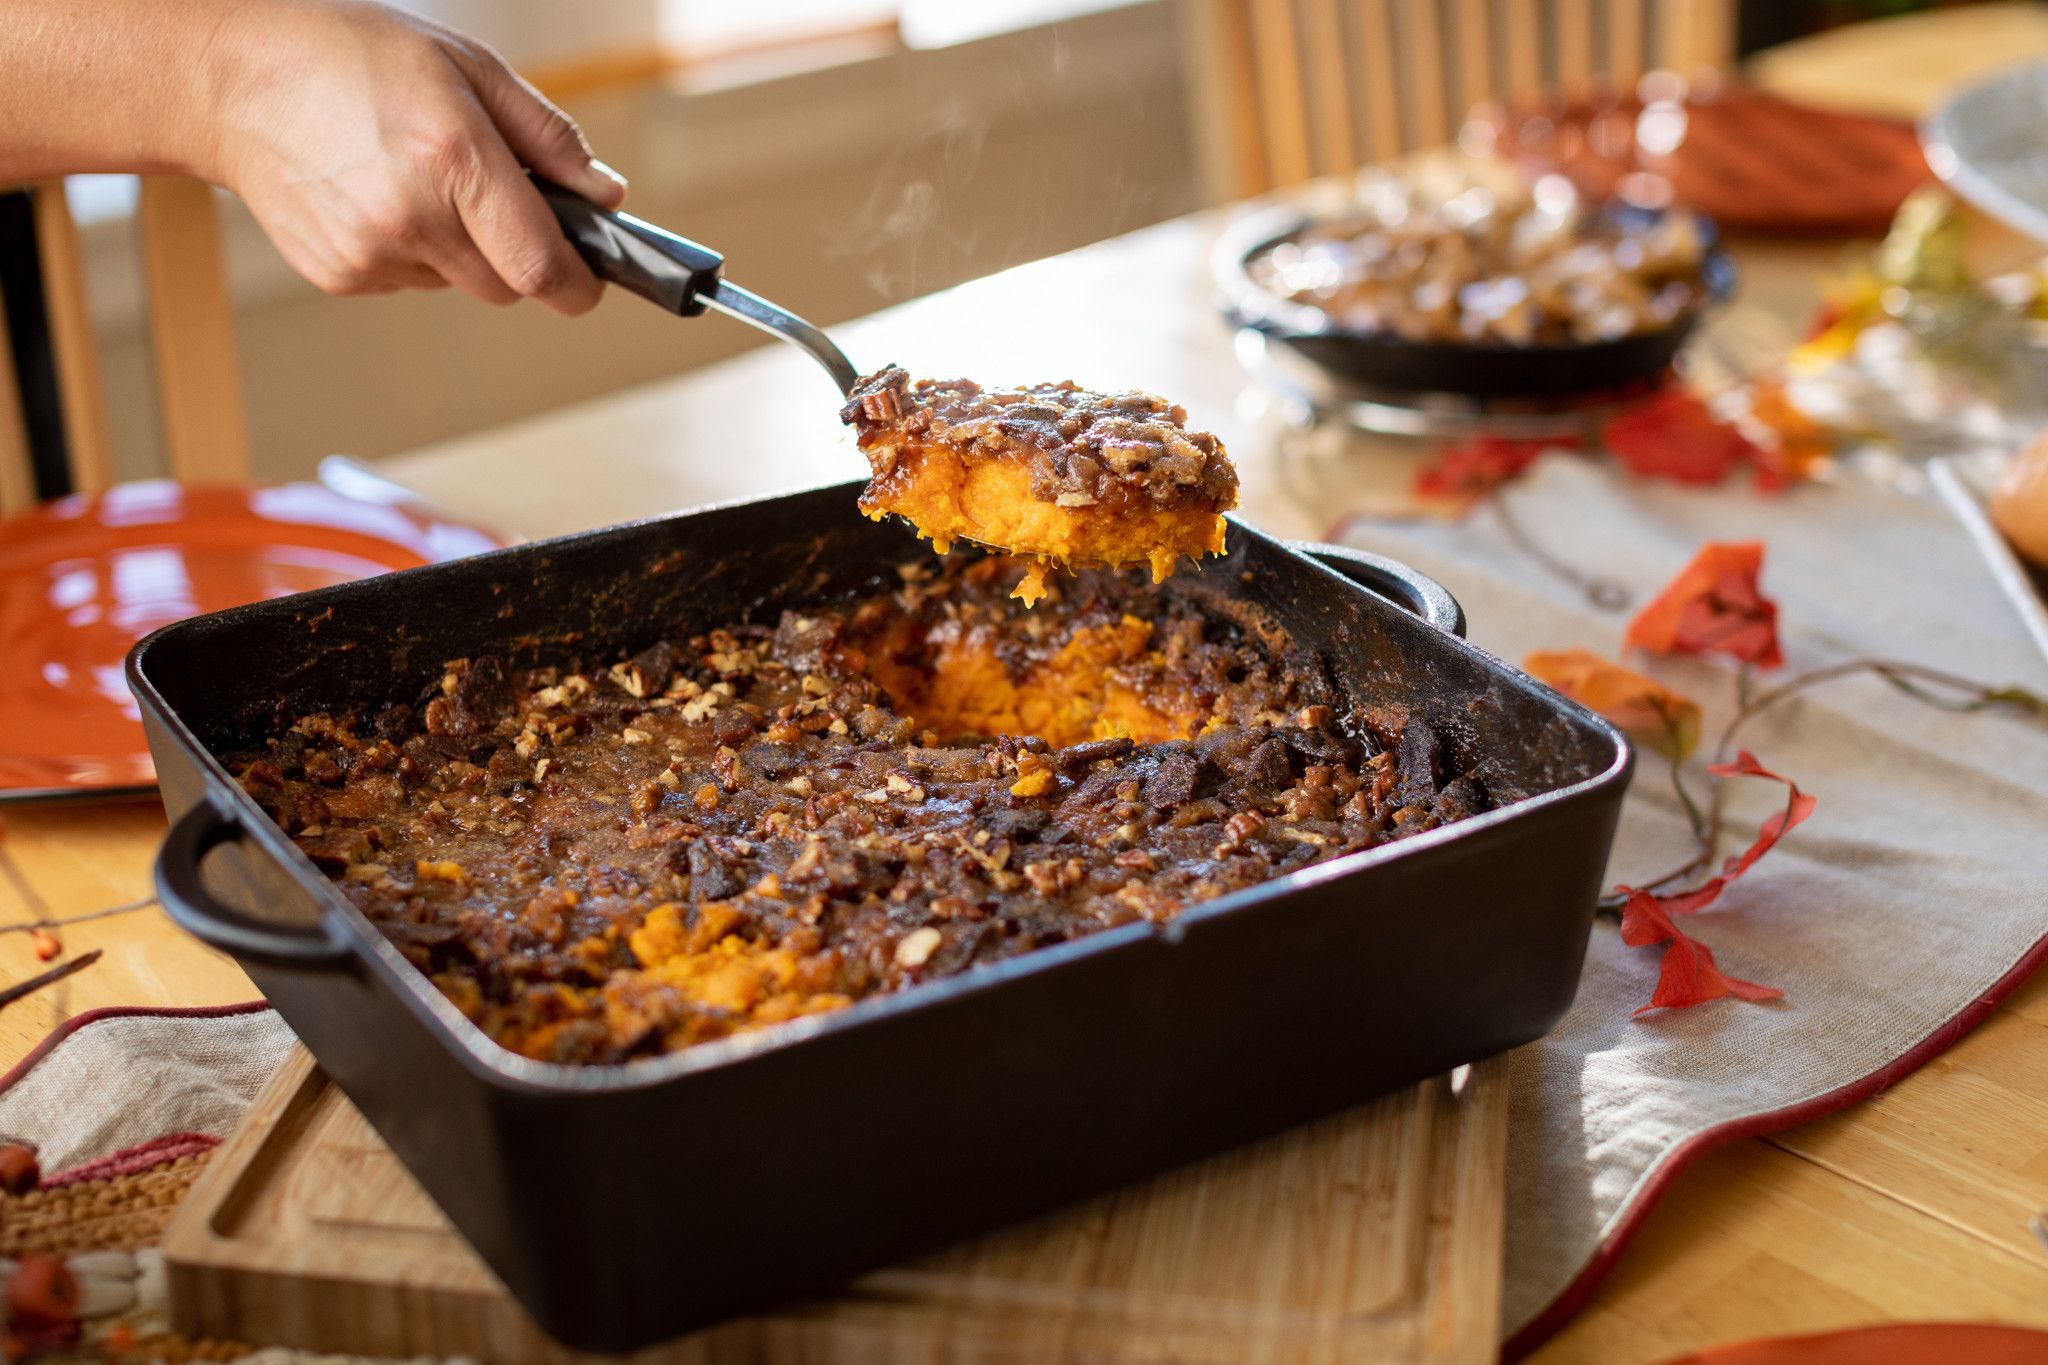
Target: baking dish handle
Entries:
(1393, 580)
(185, 898)
(666, 270)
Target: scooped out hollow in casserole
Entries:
(1051, 473)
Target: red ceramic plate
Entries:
(84, 578)
(1747, 159)
(1916, 1343)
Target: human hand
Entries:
(380, 151)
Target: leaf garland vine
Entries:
(1667, 433)
(1715, 606)
(46, 945)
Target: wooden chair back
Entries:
(192, 346)
(1288, 90)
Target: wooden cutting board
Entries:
(1371, 1237)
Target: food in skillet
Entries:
(1490, 264)
(1051, 473)
(776, 820)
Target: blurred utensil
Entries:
(1964, 483)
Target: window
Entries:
(548, 33)
(711, 28)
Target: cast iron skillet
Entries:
(1394, 364)
(622, 1205)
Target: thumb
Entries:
(546, 140)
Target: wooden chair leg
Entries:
(1624, 43)
(1472, 40)
(1223, 98)
(81, 392)
(1329, 88)
(1276, 47)
(192, 332)
(1574, 44)
(17, 476)
(1521, 36)
(1436, 115)
(1382, 79)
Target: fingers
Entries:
(517, 233)
(407, 168)
(462, 212)
(409, 276)
(348, 263)
(455, 258)
(539, 134)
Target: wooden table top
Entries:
(1912, 1206)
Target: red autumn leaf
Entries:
(20, 1172)
(1798, 805)
(1640, 932)
(1644, 920)
(1827, 315)
(1688, 975)
(1650, 713)
(1672, 435)
(1470, 469)
(1795, 445)
(1714, 606)
(42, 1292)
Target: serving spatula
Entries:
(681, 276)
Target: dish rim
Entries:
(1949, 142)
(1958, 483)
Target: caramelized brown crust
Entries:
(761, 823)
(1082, 449)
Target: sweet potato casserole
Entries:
(1490, 265)
(1052, 473)
(779, 818)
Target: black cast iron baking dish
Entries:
(624, 1205)
(1392, 364)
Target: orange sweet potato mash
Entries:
(1053, 474)
(610, 858)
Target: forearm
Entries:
(109, 85)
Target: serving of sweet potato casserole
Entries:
(1051, 473)
(778, 819)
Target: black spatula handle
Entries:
(669, 271)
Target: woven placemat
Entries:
(121, 1213)
(106, 1227)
